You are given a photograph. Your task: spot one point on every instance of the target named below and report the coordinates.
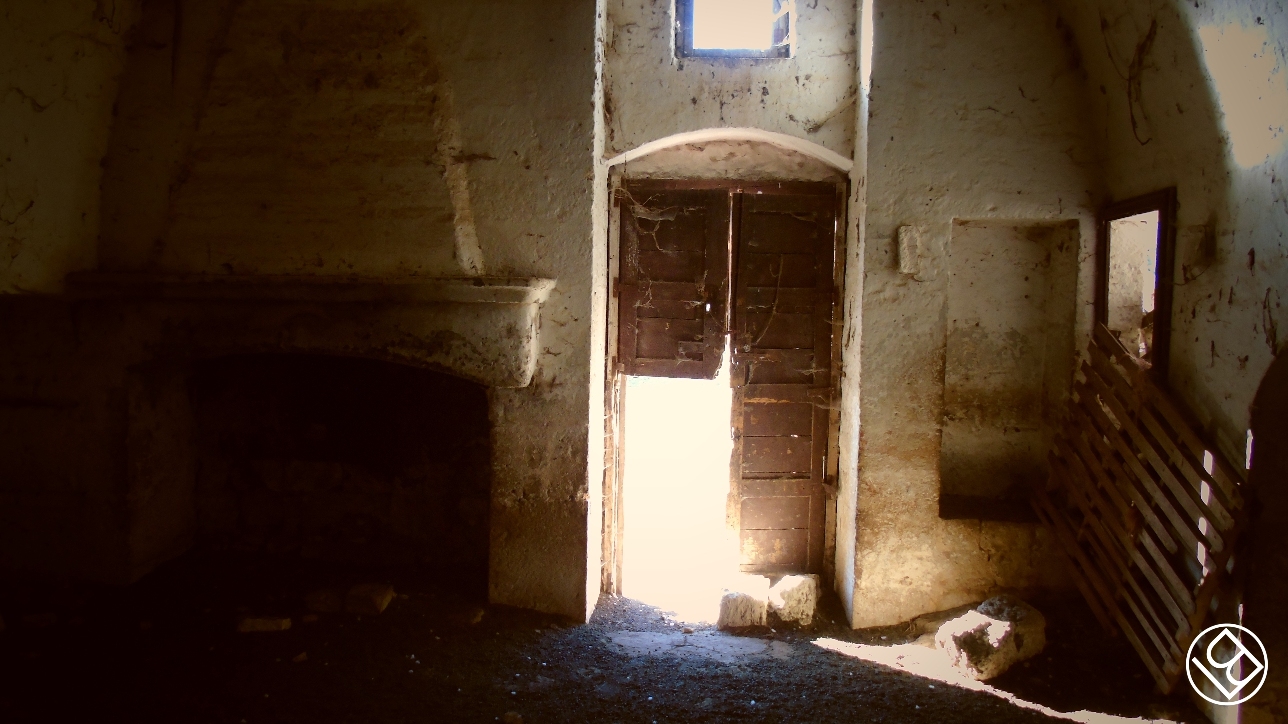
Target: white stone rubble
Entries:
(745, 603)
(987, 640)
(795, 598)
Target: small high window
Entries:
(734, 28)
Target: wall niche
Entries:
(1008, 362)
(339, 459)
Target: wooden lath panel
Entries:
(1145, 511)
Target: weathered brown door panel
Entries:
(775, 551)
(783, 456)
(785, 255)
(776, 488)
(787, 366)
(781, 330)
(674, 281)
(779, 270)
(777, 418)
(775, 513)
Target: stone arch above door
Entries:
(742, 153)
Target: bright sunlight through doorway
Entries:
(678, 553)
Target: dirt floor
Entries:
(166, 650)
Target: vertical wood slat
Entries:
(1136, 411)
(1136, 481)
(1117, 545)
(1097, 428)
(1107, 556)
(1130, 454)
(1135, 510)
(1227, 476)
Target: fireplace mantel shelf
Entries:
(310, 288)
(484, 329)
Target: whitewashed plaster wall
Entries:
(60, 63)
(1195, 95)
(847, 496)
(975, 113)
(650, 94)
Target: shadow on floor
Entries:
(166, 649)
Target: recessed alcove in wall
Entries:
(342, 459)
(1009, 357)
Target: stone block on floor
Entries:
(987, 640)
(745, 603)
(738, 609)
(1029, 625)
(263, 624)
(369, 598)
(795, 598)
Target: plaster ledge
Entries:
(484, 329)
(310, 288)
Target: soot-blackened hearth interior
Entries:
(347, 460)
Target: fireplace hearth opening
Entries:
(352, 461)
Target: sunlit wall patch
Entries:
(1252, 90)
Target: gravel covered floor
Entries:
(165, 649)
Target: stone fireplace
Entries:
(343, 418)
(342, 459)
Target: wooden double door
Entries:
(754, 267)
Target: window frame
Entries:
(1164, 202)
(784, 35)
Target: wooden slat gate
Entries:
(1145, 511)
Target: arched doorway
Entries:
(720, 431)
